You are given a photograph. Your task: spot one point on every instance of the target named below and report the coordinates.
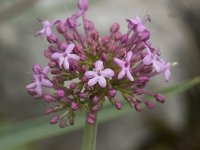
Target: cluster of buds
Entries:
(88, 69)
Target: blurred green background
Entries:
(175, 30)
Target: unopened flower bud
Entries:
(83, 95)
(118, 105)
(49, 98)
(72, 85)
(60, 93)
(54, 120)
(104, 57)
(74, 106)
(47, 54)
(52, 39)
(160, 98)
(138, 106)
(149, 104)
(112, 93)
(124, 38)
(143, 79)
(61, 27)
(63, 123)
(115, 28)
(95, 99)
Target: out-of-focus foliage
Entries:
(37, 129)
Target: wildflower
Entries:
(125, 65)
(89, 63)
(39, 80)
(99, 75)
(153, 58)
(46, 30)
(137, 23)
(64, 58)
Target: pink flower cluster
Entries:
(96, 67)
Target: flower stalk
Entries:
(90, 135)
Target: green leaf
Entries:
(13, 136)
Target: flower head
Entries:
(96, 67)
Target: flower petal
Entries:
(56, 56)
(66, 64)
(167, 72)
(140, 28)
(147, 60)
(129, 56)
(107, 73)
(69, 49)
(99, 65)
(158, 66)
(74, 57)
(121, 74)
(46, 83)
(90, 74)
(46, 70)
(93, 81)
(31, 85)
(102, 82)
(38, 89)
(119, 62)
(129, 75)
(60, 62)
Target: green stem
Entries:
(89, 137)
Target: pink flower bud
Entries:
(54, 120)
(74, 106)
(52, 39)
(160, 98)
(60, 93)
(149, 104)
(72, 85)
(115, 28)
(104, 57)
(49, 98)
(61, 27)
(143, 79)
(95, 99)
(63, 123)
(47, 54)
(118, 105)
(124, 38)
(112, 93)
(138, 106)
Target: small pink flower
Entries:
(137, 22)
(99, 74)
(46, 30)
(40, 79)
(64, 58)
(153, 58)
(125, 65)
